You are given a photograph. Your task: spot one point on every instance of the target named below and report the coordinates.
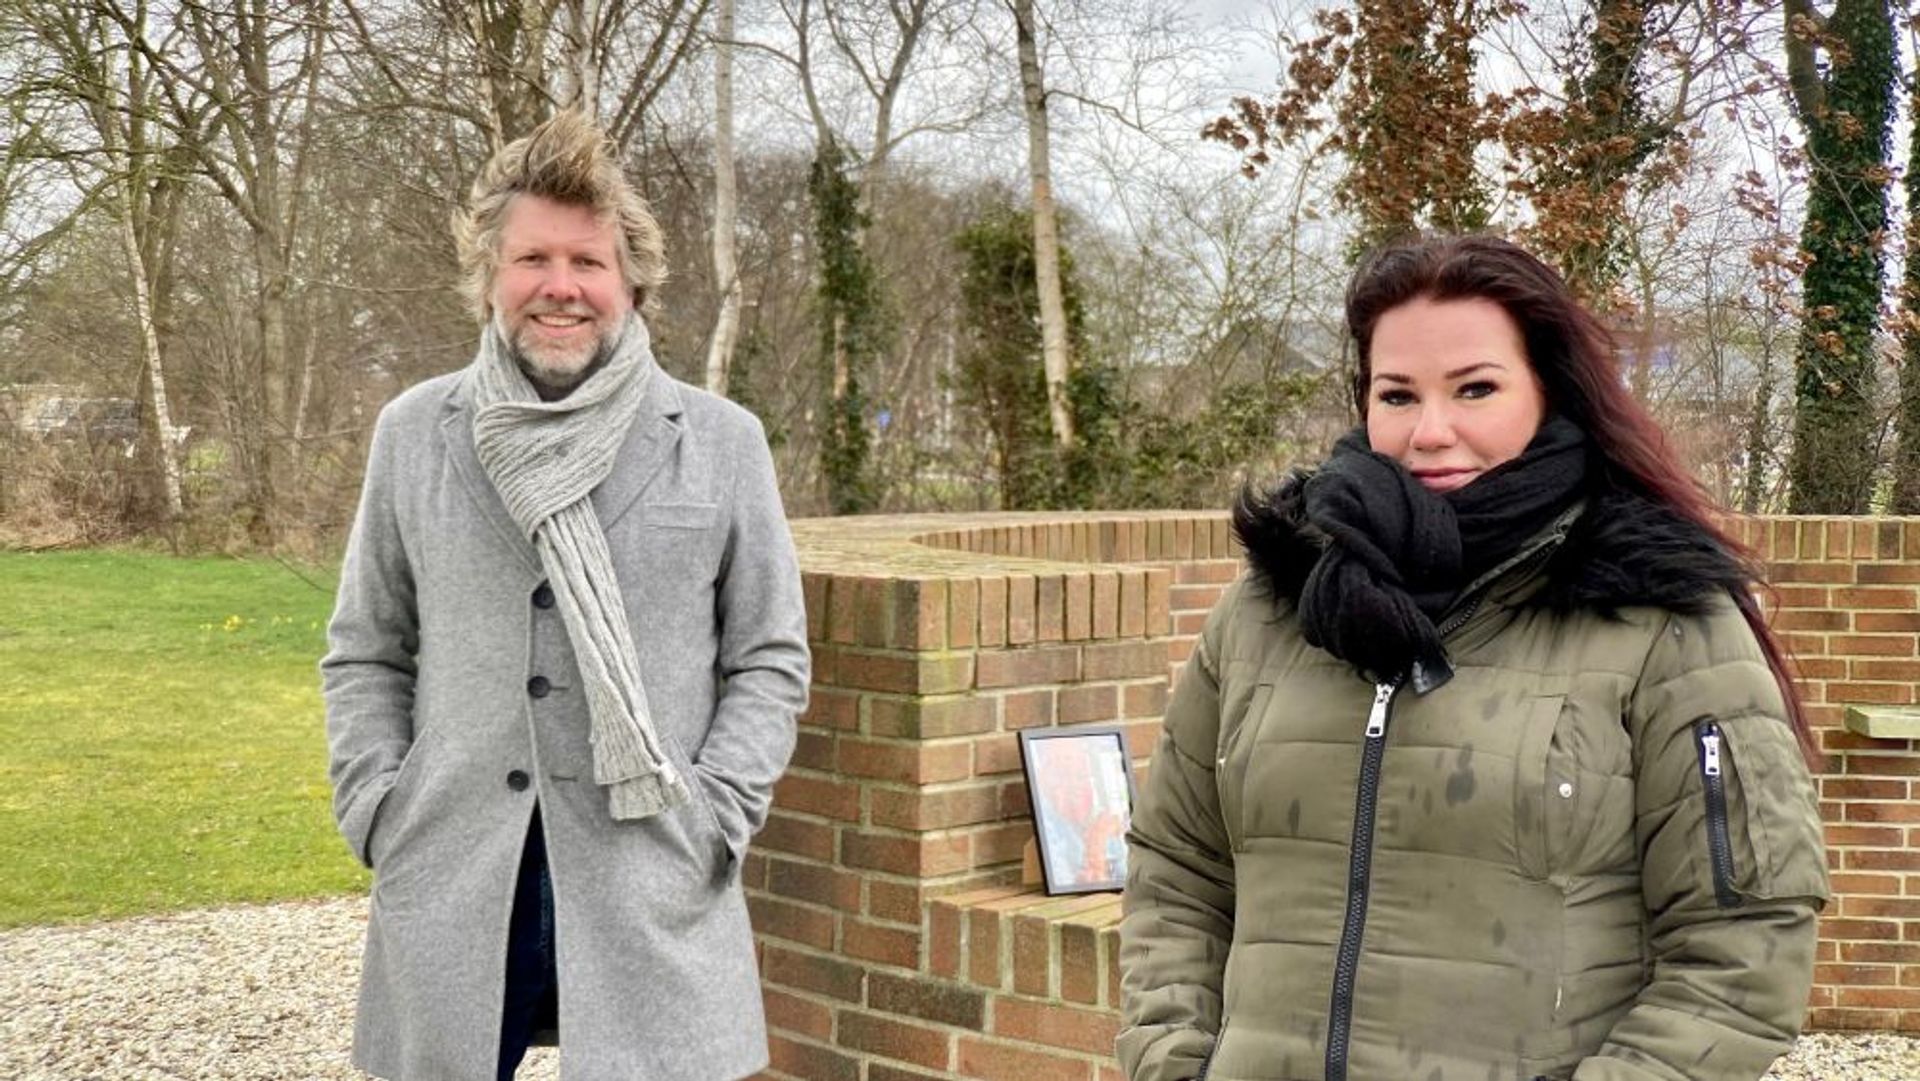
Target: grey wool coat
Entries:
(454, 703)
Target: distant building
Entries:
(54, 411)
(1245, 354)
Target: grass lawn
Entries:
(161, 736)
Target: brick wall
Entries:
(1848, 611)
(895, 944)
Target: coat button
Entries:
(543, 597)
(517, 780)
(538, 686)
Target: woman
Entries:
(1490, 769)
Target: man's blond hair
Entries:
(569, 160)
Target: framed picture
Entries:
(1080, 782)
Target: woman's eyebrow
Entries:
(1457, 373)
(1474, 367)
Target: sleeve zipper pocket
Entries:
(1706, 734)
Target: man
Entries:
(565, 665)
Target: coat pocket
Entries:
(390, 816)
(677, 515)
(1762, 836)
(704, 831)
(1232, 759)
(1708, 748)
(1536, 826)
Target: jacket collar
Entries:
(657, 430)
(1520, 575)
(1506, 585)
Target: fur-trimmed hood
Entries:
(1623, 550)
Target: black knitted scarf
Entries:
(1397, 554)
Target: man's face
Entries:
(558, 295)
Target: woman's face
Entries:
(1450, 393)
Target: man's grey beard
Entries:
(553, 386)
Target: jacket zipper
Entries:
(1346, 967)
(1359, 881)
(1719, 846)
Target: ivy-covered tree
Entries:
(1001, 380)
(1847, 112)
(1906, 457)
(851, 328)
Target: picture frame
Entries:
(1080, 785)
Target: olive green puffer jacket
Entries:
(1595, 853)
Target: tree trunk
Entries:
(510, 43)
(726, 274)
(1759, 436)
(272, 390)
(127, 148)
(150, 353)
(1046, 231)
(582, 73)
(301, 402)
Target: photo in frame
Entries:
(1080, 783)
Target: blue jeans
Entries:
(533, 984)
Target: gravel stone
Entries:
(266, 993)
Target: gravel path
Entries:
(266, 994)
(234, 994)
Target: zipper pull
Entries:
(1377, 718)
(1710, 749)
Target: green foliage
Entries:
(1002, 379)
(162, 721)
(851, 329)
(750, 355)
(1158, 459)
(1831, 468)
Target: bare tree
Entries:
(145, 194)
(239, 85)
(503, 66)
(99, 70)
(31, 166)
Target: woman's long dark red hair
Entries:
(1573, 353)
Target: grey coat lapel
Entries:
(456, 428)
(656, 432)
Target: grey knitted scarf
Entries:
(545, 459)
